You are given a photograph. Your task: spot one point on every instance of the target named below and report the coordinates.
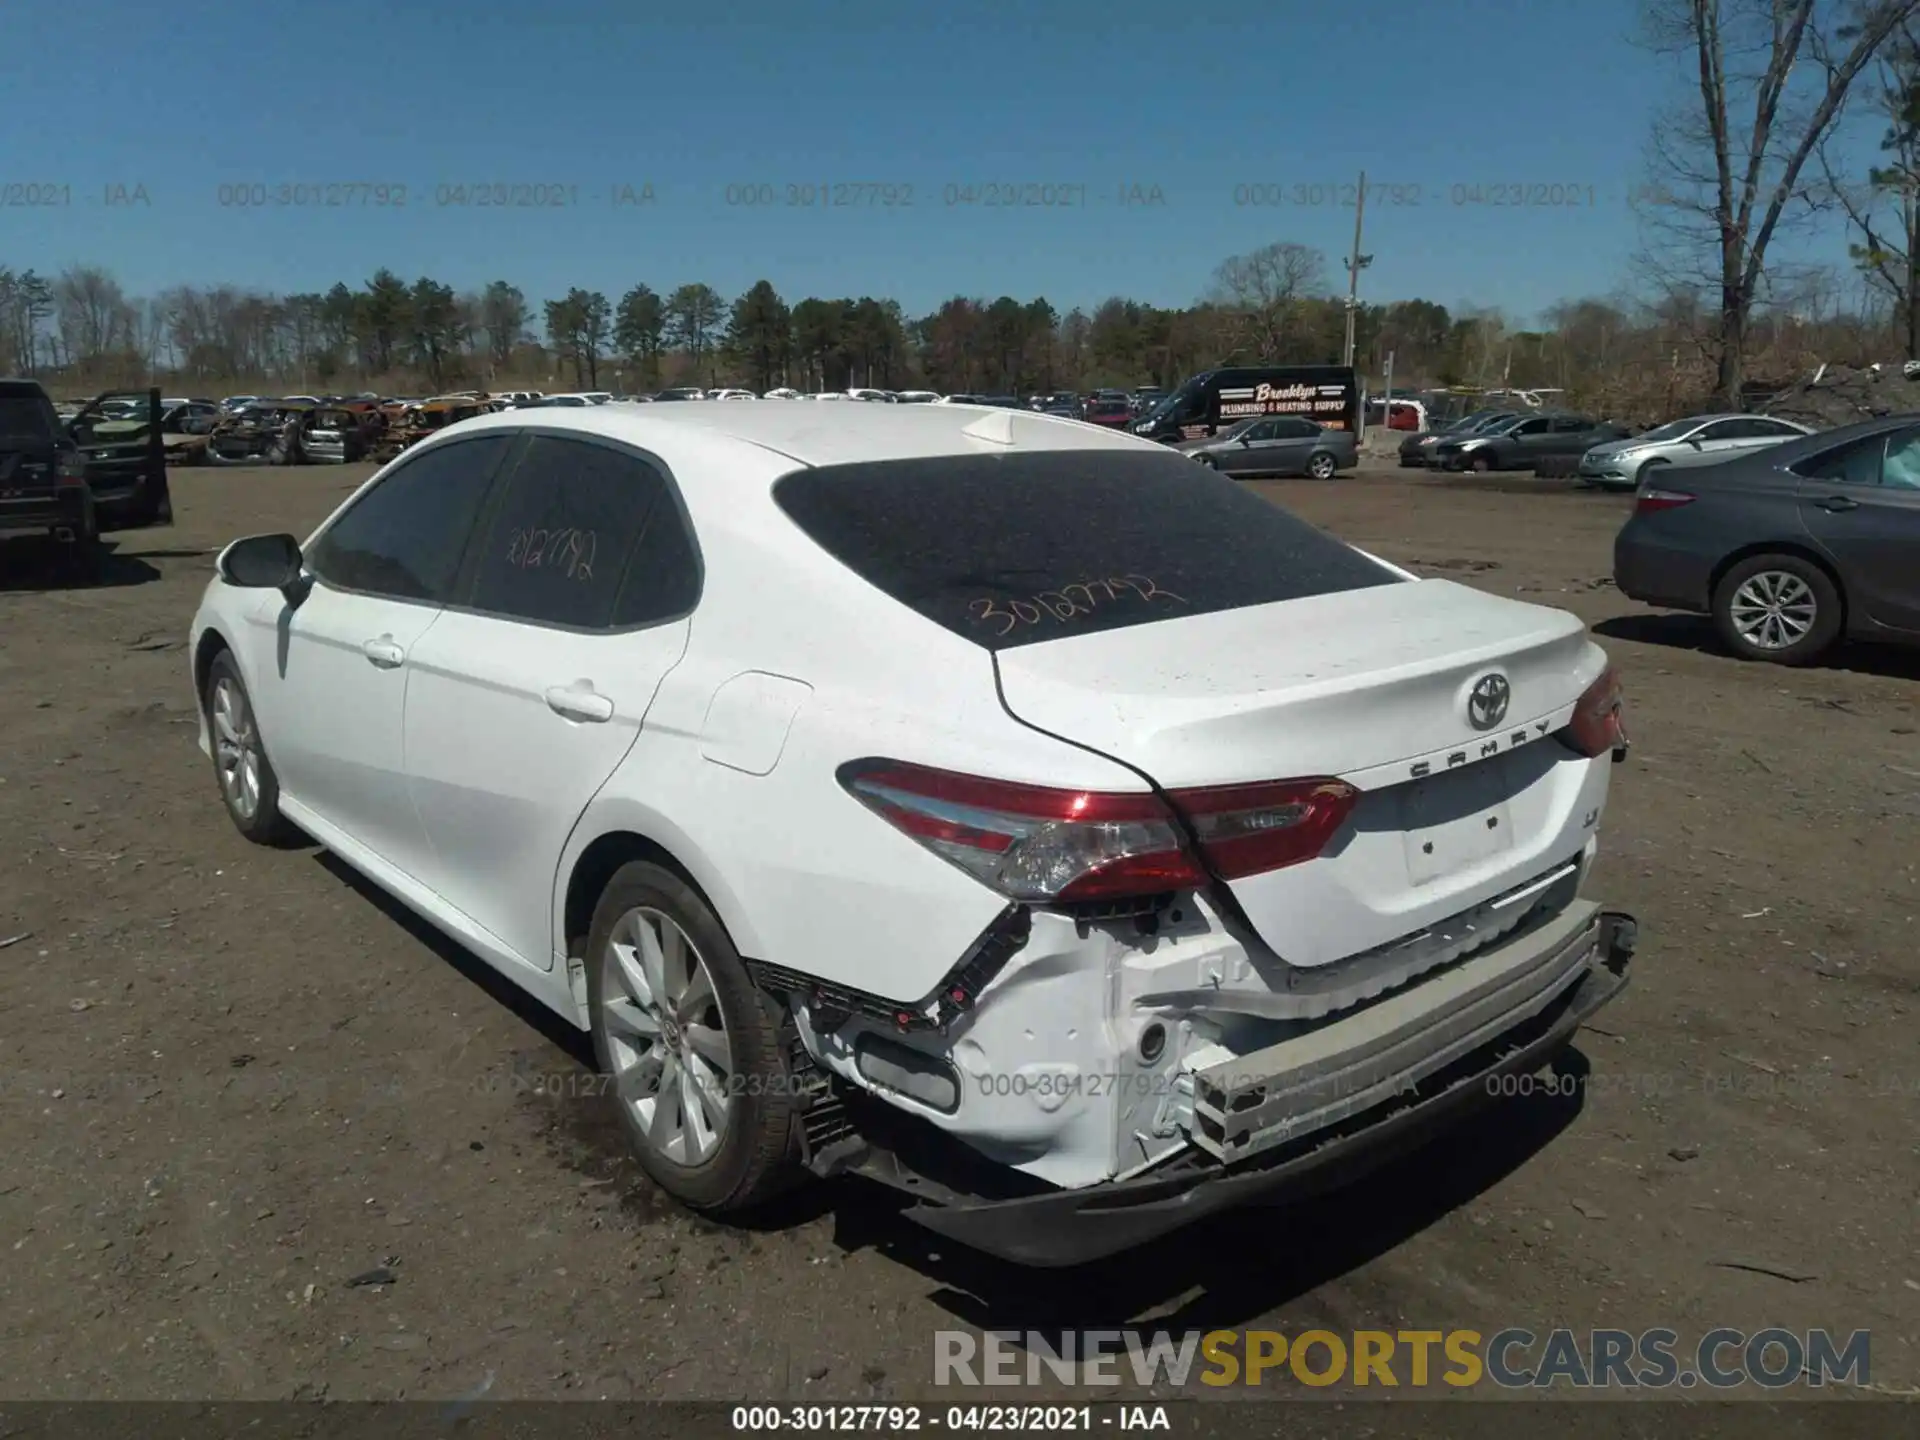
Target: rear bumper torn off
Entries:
(1327, 1119)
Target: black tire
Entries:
(1482, 464)
(1322, 466)
(1208, 461)
(264, 825)
(757, 1154)
(1819, 636)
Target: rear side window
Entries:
(1009, 550)
(26, 415)
(559, 545)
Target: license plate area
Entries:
(1452, 822)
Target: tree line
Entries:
(80, 330)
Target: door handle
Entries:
(1834, 504)
(384, 652)
(579, 701)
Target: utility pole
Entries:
(1356, 263)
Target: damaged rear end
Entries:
(1341, 897)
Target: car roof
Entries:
(807, 435)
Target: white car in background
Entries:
(917, 397)
(1076, 814)
(782, 393)
(732, 394)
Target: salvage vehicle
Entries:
(1278, 445)
(416, 422)
(1682, 444)
(75, 480)
(1789, 549)
(1520, 443)
(265, 433)
(1076, 842)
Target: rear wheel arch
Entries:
(1780, 547)
(598, 864)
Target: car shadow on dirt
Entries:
(30, 564)
(1696, 632)
(1228, 1269)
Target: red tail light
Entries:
(1599, 722)
(1050, 846)
(1651, 500)
(1251, 829)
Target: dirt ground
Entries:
(237, 1078)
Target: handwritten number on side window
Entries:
(570, 550)
(1081, 598)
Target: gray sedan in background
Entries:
(1697, 440)
(1788, 549)
(1277, 445)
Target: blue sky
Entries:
(1212, 106)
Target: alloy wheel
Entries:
(236, 748)
(667, 1040)
(1773, 609)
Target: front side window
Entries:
(405, 537)
(1528, 427)
(557, 550)
(1006, 550)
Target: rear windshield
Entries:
(25, 416)
(1010, 550)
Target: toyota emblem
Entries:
(1487, 701)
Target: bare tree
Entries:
(1772, 77)
(1265, 289)
(1885, 210)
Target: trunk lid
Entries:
(1371, 686)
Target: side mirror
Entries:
(1694, 441)
(261, 562)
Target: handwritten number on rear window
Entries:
(1067, 603)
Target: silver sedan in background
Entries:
(1697, 440)
(1277, 445)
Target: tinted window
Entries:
(25, 417)
(663, 577)
(1728, 430)
(1900, 465)
(1567, 424)
(1008, 550)
(405, 537)
(1773, 427)
(1295, 429)
(558, 546)
(1529, 427)
(1854, 464)
(1258, 430)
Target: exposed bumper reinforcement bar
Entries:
(1255, 1102)
(1071, 1227)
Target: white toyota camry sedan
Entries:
(1007, 811)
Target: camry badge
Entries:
(1487, 701)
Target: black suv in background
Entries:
(104, 470)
